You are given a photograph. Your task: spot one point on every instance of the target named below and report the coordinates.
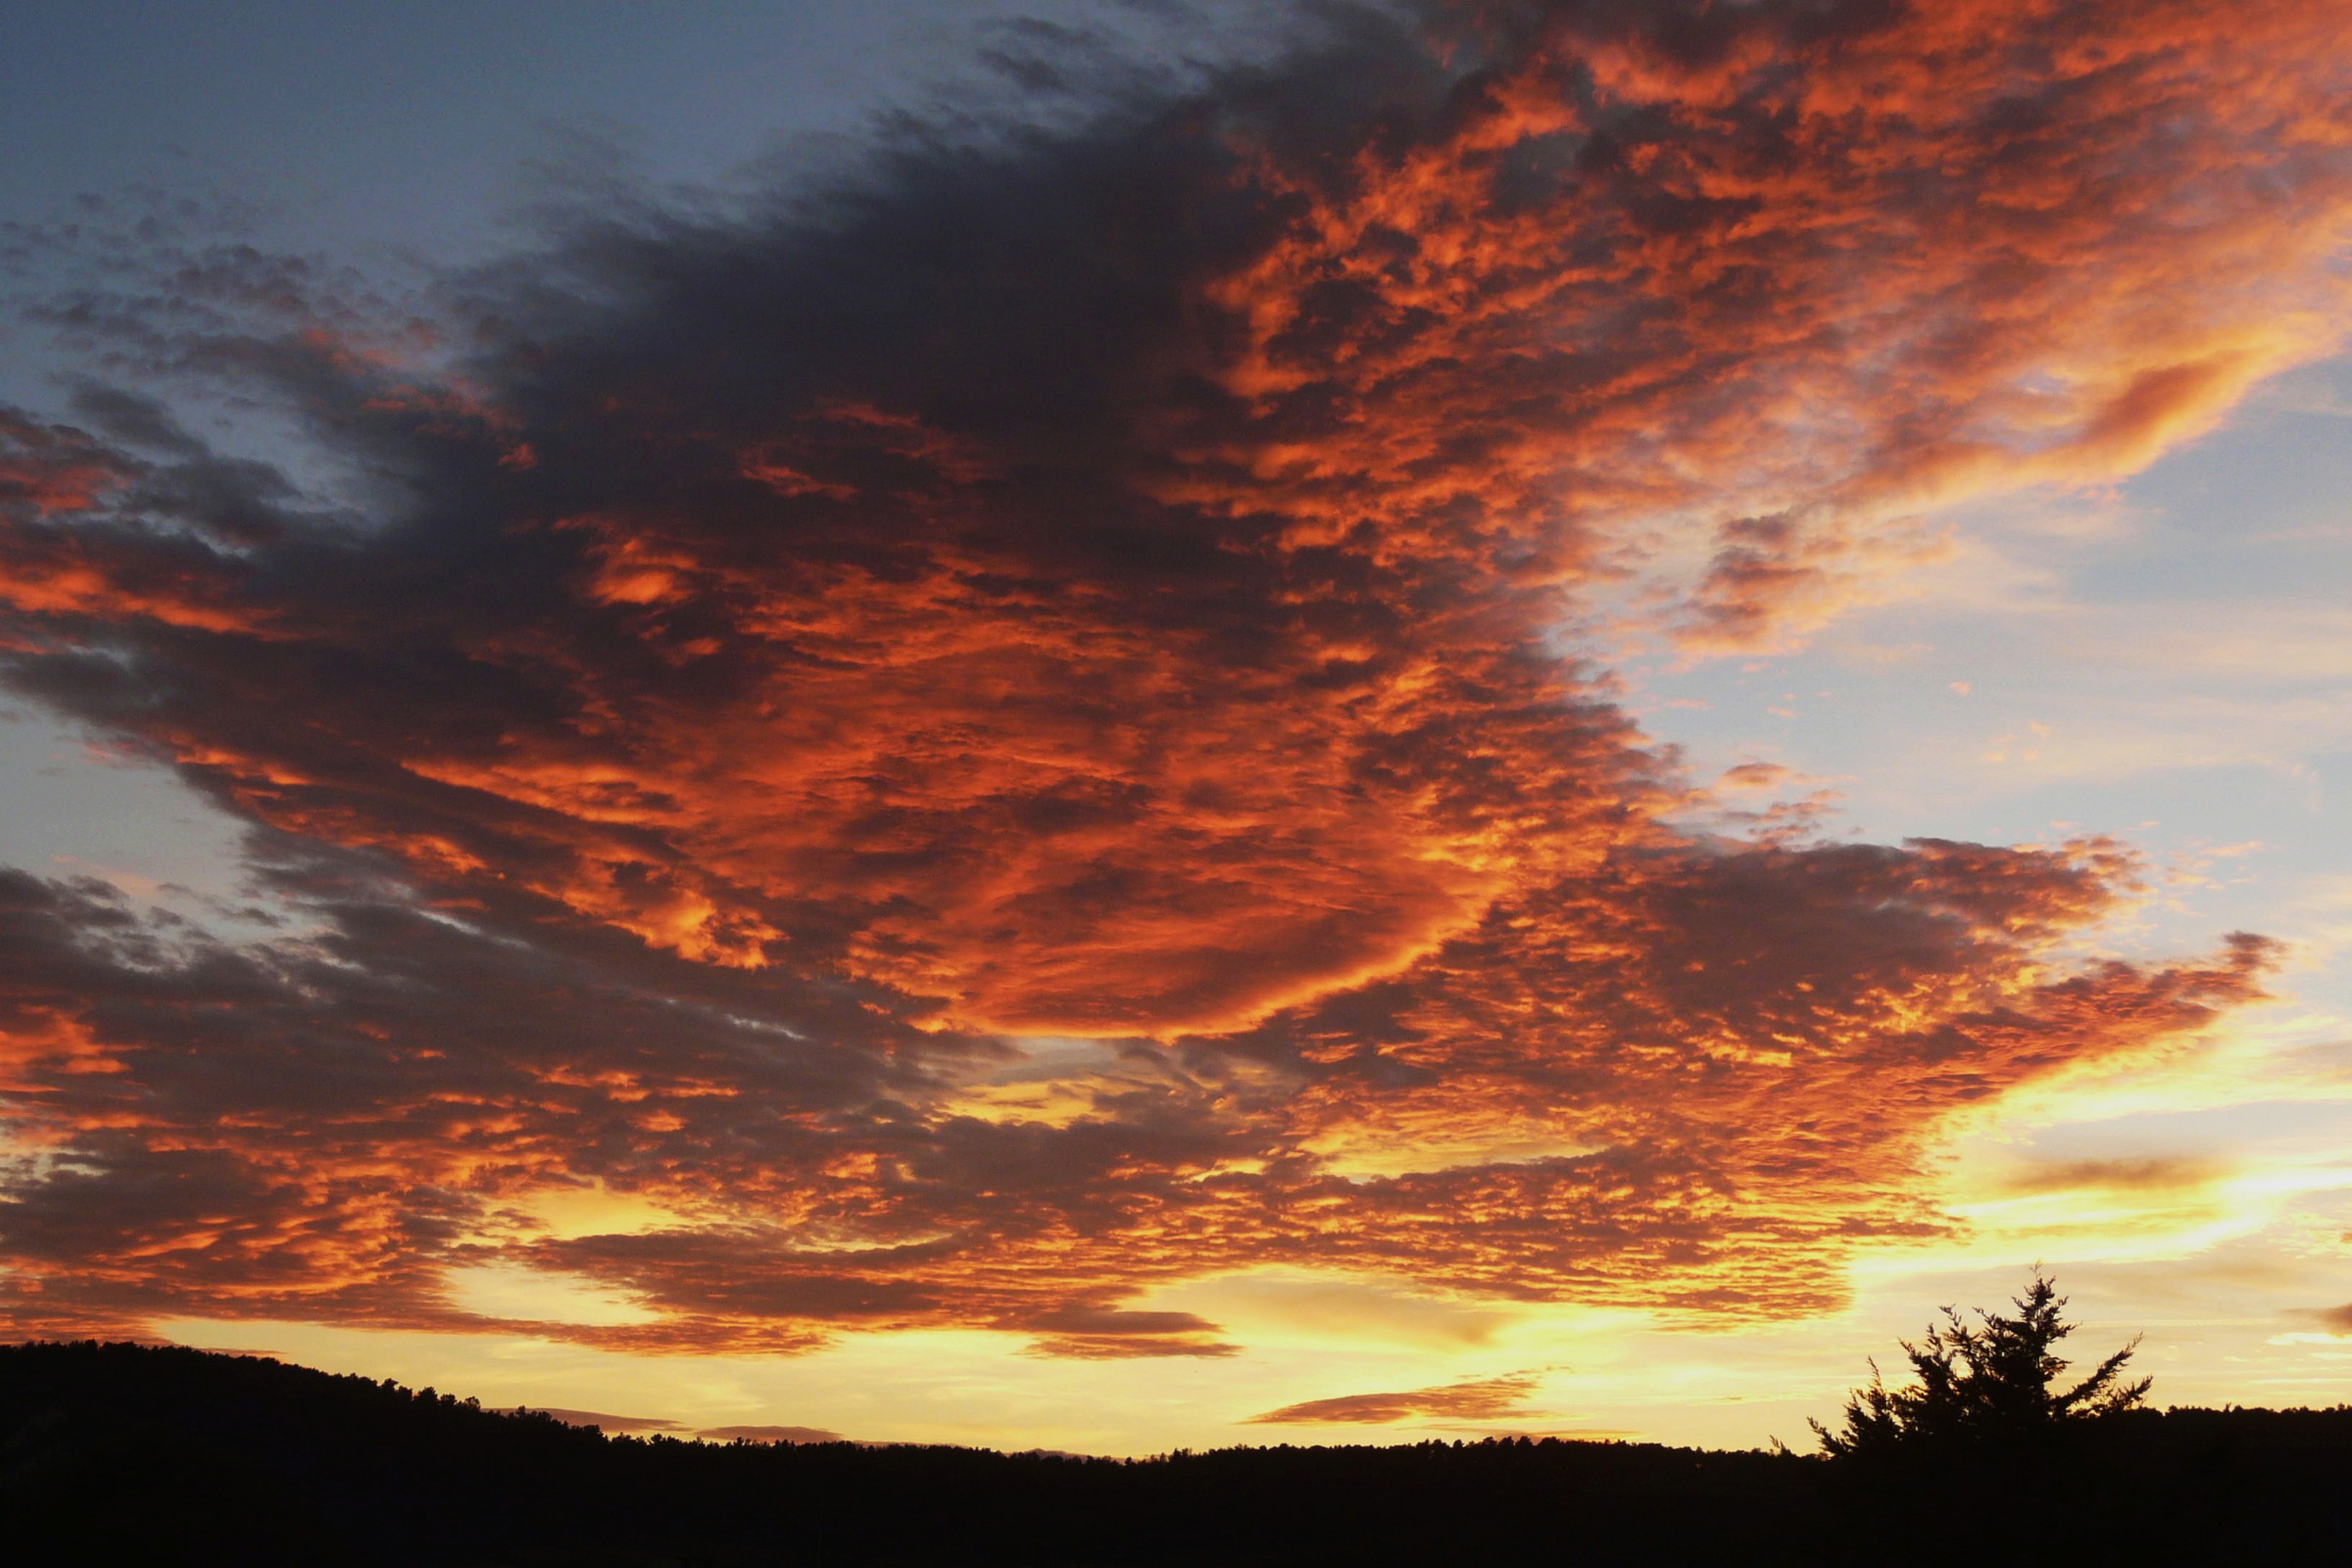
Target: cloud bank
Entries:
(1097, 594)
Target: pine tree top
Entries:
(1992, 1383)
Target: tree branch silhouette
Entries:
(1992, 1383)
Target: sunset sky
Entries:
(1115, 726)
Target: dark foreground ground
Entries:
(114, 1453)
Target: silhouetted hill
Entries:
(122, 1453)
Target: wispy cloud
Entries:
(1486, 1399)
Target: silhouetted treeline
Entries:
(122, 1454)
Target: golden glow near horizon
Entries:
(1524, 730)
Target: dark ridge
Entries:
(138, 1454)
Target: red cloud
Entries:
(1108, 589)
(44, 469)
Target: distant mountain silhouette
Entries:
(120, 1454)
(769, 1434)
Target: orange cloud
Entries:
(1486, 1399)
(1103, 591)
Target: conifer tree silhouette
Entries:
(1991, 1383)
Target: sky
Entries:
(1136, 726)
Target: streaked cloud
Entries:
(1486, 1399)
(2335, 1320)
(2157, 1174)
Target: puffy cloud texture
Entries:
(971, 739)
